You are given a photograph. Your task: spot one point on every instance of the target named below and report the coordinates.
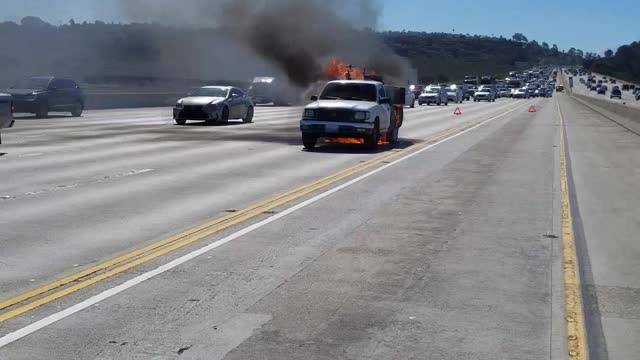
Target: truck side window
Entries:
(55, 84)
(381, 93)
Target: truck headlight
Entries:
(179, 105)
(309, 114)
(361, 115)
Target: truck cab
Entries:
(350, 109)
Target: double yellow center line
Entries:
(574, 309)
(140, 256)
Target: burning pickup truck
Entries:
(365, 110)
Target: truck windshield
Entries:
(33, 83)
(349, 91)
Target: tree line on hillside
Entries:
(145, 52)
(623, 64)
(443, 57)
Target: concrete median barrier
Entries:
(624, 115)
(116, 100)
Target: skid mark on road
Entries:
(76, 184)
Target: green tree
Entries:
(519, 37)
(608, 53)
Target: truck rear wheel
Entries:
(392, 135)
(309, 141)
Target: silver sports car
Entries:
(213, 104)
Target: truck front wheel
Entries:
(372, 140)
(309, 141)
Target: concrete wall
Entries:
(116, 100)
(624, 115)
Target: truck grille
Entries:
(335, 115)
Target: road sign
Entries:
(457, 112)
(532, 109)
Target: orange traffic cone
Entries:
(457, 112)
(532, 109)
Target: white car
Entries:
(433, 95)
(6, 112)
(454, 94)
(485, 93)
(214, 104)
(503, 92)
(521, 93)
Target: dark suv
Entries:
(41, 95)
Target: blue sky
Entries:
(590, 25)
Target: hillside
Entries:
(625, 64)
(143, 53)
(443, 57)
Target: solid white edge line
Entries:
(29, 329)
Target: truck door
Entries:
(385, 116)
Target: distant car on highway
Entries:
(410, 99)
(503, 92)
(531, 91)
(6, 112)
(559, 88)
(626, 87)
(469, 92)
(417, 90)
(41, 95)
(602, 90)
(541, 92)
(638, 95)
(433, 95)
(613, 81)
(454, 94)
(521, 93)
(615, 93)
(214, 104)
(267, 90)
(485, 93)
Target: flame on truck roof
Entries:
(338, 70)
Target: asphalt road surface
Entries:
(446, 246)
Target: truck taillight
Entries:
(13, 108)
